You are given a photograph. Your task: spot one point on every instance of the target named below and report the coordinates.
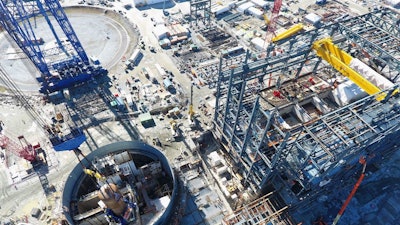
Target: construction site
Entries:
(199, 112)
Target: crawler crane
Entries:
(63, 137)
(29, 152)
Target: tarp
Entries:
(312, 18)
(347, 92)
(371, 75)
(259, 43)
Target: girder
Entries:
(376, 34)
(312, 135)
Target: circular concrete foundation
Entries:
(103, 34)
(77, 184)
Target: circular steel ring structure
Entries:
(77, 176)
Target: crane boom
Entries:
(289, 32)
(275, 12)
(346, 203)
(24, 149)
(347, 65)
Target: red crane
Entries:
(274, 16)
(360, 179)
(22, 149)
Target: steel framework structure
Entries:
(200, 10)
(261, 211)
(71, 65)
(278, 122)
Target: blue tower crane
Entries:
(62, 66)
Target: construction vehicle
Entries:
(56, 73)
(363, 162)
(357, 71)
(266, 19)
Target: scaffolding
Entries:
(281, 122)
(265, 210)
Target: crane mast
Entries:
(68, 67)
(275, 12)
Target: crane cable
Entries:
(22, 99)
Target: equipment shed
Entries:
(146, 120)
(260, 3)
(255, 12)
(243, 8)
(160, 32)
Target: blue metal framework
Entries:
(278, 120)
(18, 17)
(200, 10)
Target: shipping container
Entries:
(160, 70)
(129, 100)
(120, 103)
(134, 59)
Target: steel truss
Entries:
(316, 150)
(200, 11)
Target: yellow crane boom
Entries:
(341, 60)
(289, 32)
(266, 19)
